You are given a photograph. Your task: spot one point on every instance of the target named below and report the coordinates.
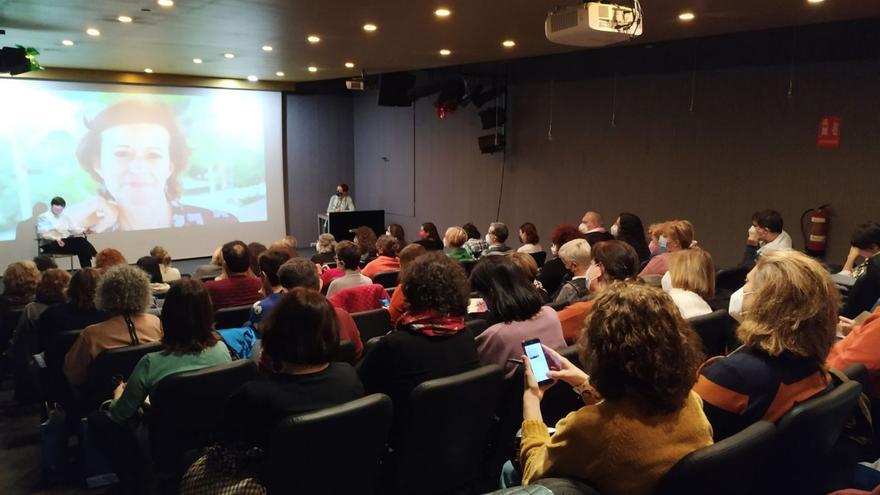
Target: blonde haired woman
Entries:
(789, 310)
(690, 281)
(169, 273)
(675, 235)
(454, 242)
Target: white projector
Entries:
(355, 84)
(593, 24)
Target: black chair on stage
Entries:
(308, 450)
(729, 467)
(345, 353)
(387, 279)
(112, 363)
(715, 330)
(233, 317)
(373, 323)
(540, 257)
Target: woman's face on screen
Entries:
(135, 163)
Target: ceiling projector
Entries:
(593, 24)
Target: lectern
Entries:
(341, 223)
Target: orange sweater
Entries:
(381, 264)
(572, 318)
(862, 345)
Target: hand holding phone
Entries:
(538, 364)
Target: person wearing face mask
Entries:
(496, 237)
(592, 228)
(788, 314)
(655, 230)
(341, 201)
(429, 237)
(690, 281)
(675, 236)
(629, 229)
(765, 235)
(611, 261)
(576, 257)
(554, 273)
(58, 234)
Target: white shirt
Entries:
(689, 304)
(782, 242)
(169, 273)
(530, 248)
(338, 203)
(52, 227)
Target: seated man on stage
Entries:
(58, 234)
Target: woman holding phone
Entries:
(640, 417)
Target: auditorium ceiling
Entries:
(408, 34)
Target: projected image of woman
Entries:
(136, 151)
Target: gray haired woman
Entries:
(326, 247)
(124, 294)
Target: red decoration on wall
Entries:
(829, 132)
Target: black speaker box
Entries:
(394, 89)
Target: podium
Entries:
(341, 223)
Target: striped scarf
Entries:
(431, 323)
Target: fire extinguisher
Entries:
(815, 231)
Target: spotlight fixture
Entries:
(67, 42)
(508, 43)
(313, 69)
(267, 48)
(370, 28)
(124, 19)
(279, 74)
(93, 32)
(197, 60)
(349, 65)
(442, 12)
(166, 3)
(148, 70)
(313, 39)
(686, 16)
(230, 56)
(444, 52)
(815, 1)
(253, 78)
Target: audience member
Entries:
(861, 345)
(789, 310)
(297, 272)
(365, 239)
(169, 273)
(214, 269)
(690, 281)
(108, 258)
(431, 340)
(528, 236)
(19, 283)
(270, 262)
(240, 287)
(675, 236)
(640, 417)
(576, 257)
(150, 265)
(765, 235)
(189, 343)
(553, 273)
(399, 305)
(866, 291)
(255, 249)
(612, 261)
(475, 243)
(454, 241)
(124, 294)
(527, 263)
(593, 229)
(78, 312)
(387, 248)
(287, 244)
(655, 230)
(515, 311)
(326, 247)
(396, 230)
(629, 229)
(496, 237)
(429, 238)
(44, 262)
(348, 257)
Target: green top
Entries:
(155, 366)
(460, 254)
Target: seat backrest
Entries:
(445, 434)
(736, 459)
(56, 387)
(714, 329)
(540, 257)
(345, 352)
(187, 406)
(112, 363)
(477, 325)
(561, 399)
(799, 462)
(859, 373)
(337, 450)
(468, 265)
(731, 279)
(387, 279)
(232, 317)
(373, 323)
(556, 306)
(8, 321)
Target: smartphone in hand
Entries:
(537, 360)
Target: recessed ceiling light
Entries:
(349, 65)
(267, 48)
(229, 55)
(313, 69)
(197, 60)
(67, 43)
(815, 1)
(148, 70)
(313, 38)
(166, 3)
(370, 27)
(253, 78)
(93, 32)
(445, 52)
(442, 12)
(124, 19)
(686, 16)
(508, 43)
(279, 74)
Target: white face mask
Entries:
(590, 279)
(735, 309)
(553, 249)
(488, 239)
(614, 230)
(666, 282)
(583, 229)
(753, 231)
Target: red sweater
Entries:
(239, 289)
